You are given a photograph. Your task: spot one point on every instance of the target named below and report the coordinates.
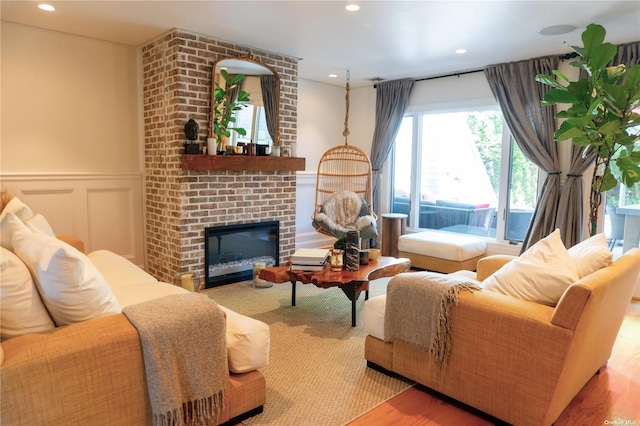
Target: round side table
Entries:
(393, 225)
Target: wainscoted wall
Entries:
(104, 210)
(180, 204)
(306, 235)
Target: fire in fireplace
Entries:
(231, 250)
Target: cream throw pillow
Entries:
(9, 224)
(541, 274)
(591, 254)
(72, 289)
(17, 207)
(22, 310)
(39, 224)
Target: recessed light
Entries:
(461, 51)
(46, 7)
(333, 75)
(557, 30)
(352, 7)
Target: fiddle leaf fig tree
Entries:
(600, 116)
(224, 107)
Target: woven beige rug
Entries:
(317, 373)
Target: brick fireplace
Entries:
(180, 204)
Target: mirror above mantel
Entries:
(260, 116)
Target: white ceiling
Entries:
(385, 39)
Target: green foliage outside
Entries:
(486, 127)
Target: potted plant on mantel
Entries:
(600, 117)
(224, 108)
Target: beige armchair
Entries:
(517, 360)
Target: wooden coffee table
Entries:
(352, 283)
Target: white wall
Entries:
(320, 126)
(69, 142)
(69, 103)
(320, 120)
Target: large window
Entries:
(462, 172)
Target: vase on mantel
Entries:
(212, 146)
(275, 151)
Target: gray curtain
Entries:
(570, 218)
(532, 126)
(269, 87)
(628, 54)
(392, 98)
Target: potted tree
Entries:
(224, 107)
(601, 115)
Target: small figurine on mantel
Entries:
(191, 132)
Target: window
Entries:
(458, 170)
(245, 118)
(627, 199)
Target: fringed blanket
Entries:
(418, 311)
(185, 357)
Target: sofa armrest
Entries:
(490, 264)
(73, 241)
(92, 371)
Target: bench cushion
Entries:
(442, 245)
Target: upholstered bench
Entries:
(442, 251)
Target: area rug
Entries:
(317, 373)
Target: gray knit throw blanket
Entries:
(185, 357)
(418, 311)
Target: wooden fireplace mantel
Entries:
(257, 163)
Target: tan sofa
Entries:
(520, 361)
(92, 372)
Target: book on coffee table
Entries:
(299, 267)
(310, 257)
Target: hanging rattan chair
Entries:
(344, 190)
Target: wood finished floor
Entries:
(612, 397)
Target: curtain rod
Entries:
(455, 74)
(458, 74)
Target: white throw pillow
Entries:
(591, 254)
(39, 224)
(248, 342)
(17, 207)
(10, 224)
(72, 289)
(22, 309)
(541, 274)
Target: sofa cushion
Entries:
(248, 340)
(71, 288)
(541, 274)
(145, 291)
(22, 309)
(373, 316)
(442, 245)
(591, 254)
(117, 271)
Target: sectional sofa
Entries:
(76, 359)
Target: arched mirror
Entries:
(249, 91)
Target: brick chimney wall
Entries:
(180, 204)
